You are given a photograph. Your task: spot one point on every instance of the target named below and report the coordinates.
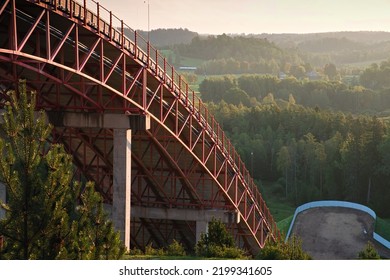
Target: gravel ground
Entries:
(335, 233)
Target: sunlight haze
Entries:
(254, 16)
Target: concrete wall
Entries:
(334, 203)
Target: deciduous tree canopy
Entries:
(313, 154)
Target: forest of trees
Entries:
(168, 37)
(313, 154)
(225, 54)
(336, 47)
(314, 139)
(274, 53)
(224, 46)
(270, 53)
(376, 76)
(323, 94)
(234, 66)
(311, 137)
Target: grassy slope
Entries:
(382, 227)
(281, 209)
(284, 225)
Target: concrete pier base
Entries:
(202, 227)
(122, 184)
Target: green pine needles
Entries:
(218, 243)
(48, 216)
(280, 250)
(369, 252)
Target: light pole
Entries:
(148, 19)
(252, 163)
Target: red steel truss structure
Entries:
(79, 57)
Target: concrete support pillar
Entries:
(202, 226)
(3, 199)
(121, 124)
(122, 184)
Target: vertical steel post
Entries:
(110, 28)
(48, 43)
(186, 94)
(135, 44)
(71, 8)
(213, 128)
(161, 100)
(156, 70)
(14, 33)
(124, 87)
(148, 54)
(85, 12)
(190, 132)
(98, 17)
(215, 161)
(193, 102)
(101, 61)
(179, 86)
(173, 78)
(144, 87)
(122, 35)
(165, 70)
(77, 53)
(203, 146)
(223, 140)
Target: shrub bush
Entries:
(290, 250)
(176, 249)
(218, 243)
(369, 253)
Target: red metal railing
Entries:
(98, 18)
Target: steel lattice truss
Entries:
(78, 58)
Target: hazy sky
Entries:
(254, 16)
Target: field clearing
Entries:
(279, 206)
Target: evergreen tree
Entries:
(47, 216)
(369, 253)
(280, 250)
(284, 162)
(218, 242)
(330, 70)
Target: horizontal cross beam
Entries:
(184, 214)
(96, 120)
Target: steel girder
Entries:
(78, 61)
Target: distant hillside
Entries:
(269, 53)
(365, 37)
(224, 46)
(168, 37)
(341, 48)
(227, 54)
(330, 44)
